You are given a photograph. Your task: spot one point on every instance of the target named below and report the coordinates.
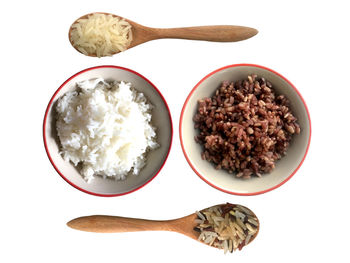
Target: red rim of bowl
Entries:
(50, 104)
(188, 159)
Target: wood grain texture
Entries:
(209, 33)
(117, 224)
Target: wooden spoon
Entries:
(221, 33)
(115, 224)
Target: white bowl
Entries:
(221, 179)
(161, 119)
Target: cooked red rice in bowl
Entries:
(271, 159)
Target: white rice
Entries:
(106, 128)
(101, 35)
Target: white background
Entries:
(305, 219)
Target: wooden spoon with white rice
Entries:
(226, 226)
(104, 34)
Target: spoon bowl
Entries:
(185, 225)
(142, 34)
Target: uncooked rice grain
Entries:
(221, 227)
(101, 35)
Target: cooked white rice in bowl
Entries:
(154, 158)
(105, 127)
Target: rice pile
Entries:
(245, 127)
(101, 35)
(106, 128)
(226, 227)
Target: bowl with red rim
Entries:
(155, 159)
(285, 168)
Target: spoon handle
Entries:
(208, 33)
(115, 224)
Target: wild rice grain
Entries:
(224, 228)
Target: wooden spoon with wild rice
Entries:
(138, 34)
(226, 226)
